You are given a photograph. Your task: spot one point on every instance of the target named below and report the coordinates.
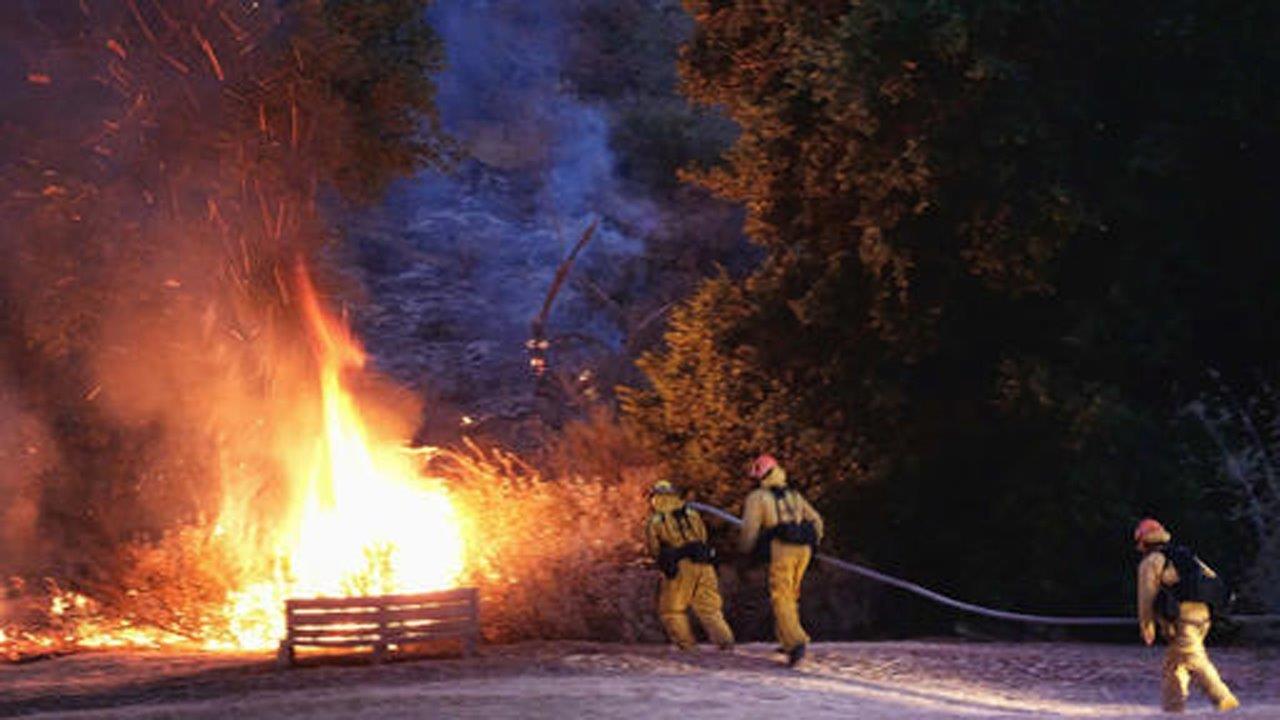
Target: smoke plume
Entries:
(161, 166)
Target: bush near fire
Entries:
(1014, 290)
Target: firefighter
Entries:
(779, 522)
(1184, 625)
(677, 538)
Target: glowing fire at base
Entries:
(365, 521)
(358, 517)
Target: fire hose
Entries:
(968, 607)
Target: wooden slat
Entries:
(339, 642)
(334, 616)
(440, 606)
(302, 635)
(447, 602)
(297, 633)
(444, 612)
(461, 595)
(323, 603)
(436, 628)
(450, 629)
(391, 635)
(327, 603)
(366, 606)
(456, 595)
(363, 627)
(448, 612)
(358, 614)
(370, 642)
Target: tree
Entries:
(1003, 240)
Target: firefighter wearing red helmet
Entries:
(777, 520)
(1183, 619)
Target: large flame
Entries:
(369, 522)
(363, 520)
(357, 515)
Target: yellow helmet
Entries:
(663, 487)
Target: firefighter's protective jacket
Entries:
(1154, 571)
(762, 510)
(667, 527)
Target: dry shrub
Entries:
(598, 447)
(557, 557)
(554, 556)
(178, 584)
(172, 591)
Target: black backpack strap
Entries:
(683, 523)
(1189, 571)
(1165, 568)
(780, 499)
(1166, 601)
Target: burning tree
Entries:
(164, 166)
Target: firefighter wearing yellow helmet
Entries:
(777, 520)
(1175, 591)
(677, 538)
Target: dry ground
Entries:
(917, 679)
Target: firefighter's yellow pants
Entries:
(695, 585)
(1186, 660)
(787, 564)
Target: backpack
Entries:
(669, 557)
(802, 532)
(1194, 585)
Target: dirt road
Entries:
(915, 679)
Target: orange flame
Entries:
(357, 516)
(363, 520)
(366, 502)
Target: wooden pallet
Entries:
(381, 622)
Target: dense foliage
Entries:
(1005, 243)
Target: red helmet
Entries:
(762, 465)
(1149, 530)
